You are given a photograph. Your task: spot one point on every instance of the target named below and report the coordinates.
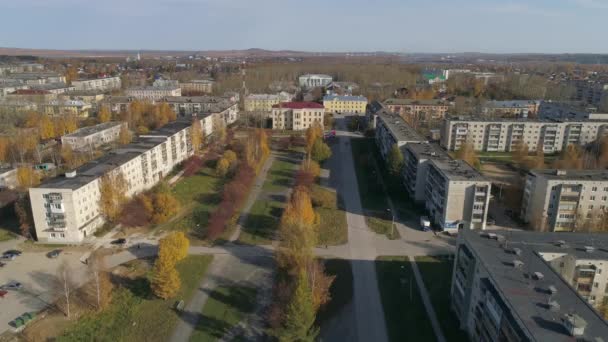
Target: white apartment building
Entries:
(54, 88)
(8, 178)
(314, 80)
(264, 102)
(66, 209)
(103, 84)
(163, 83)
(197, 86)
(41, 77)
(564, 200)
(501, 135)
(528, 286)
(89, 138)
(153, 93)
(117, 104)
(456, 195)
(510, 108)
(297, 116)
(416, 160)
(391, 130)
(10, 87)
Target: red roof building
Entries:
(30, 92)
(298, 105)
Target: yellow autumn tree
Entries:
(27, 177)
(104, 114)
(46, 128)
(299, 209)
(174, 247)
(313, 133)
(222, 167)
(31, 120)
(5, 145)
(124, 136)
(67, 155)
(112, 195)
(165, 206)
(467, 153)
(165, 282)
(571, 158)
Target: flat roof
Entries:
(520, 120)
(154, 88)
(428, 151)
(298, 105)
(510, 103)
(398, 127)
(194, 99)
(403, 102)
(83, 132)
(458, 170)
(344, 98)
(572, 175)
(525, 296)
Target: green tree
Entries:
(300, 314)
(320, 151)
(395, 161)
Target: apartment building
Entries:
(391, 130)
(66, 209)
(41, 77)
(591, 92)
(416, 158)
(103, 84)
(227, 110)
(88, 138)
(456, 195)
(55, 88)
(153, 93)
(564, 200)
(31, 95)
(264, 102)
(501, 135)
(297, 116)
(66, 107)
(197, 86)
(22, 67)
(510, 108)
(421, 109)
(117, 104)
(506, 286)
(11, 86)
(568, 110)
(314, 80)
(88, 96)
(371, 113)
(163, 83)
(345, 104)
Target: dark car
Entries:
(491, 221)
(120, 241)
(2, 264)
(53, 254)
(12, 252)
(14, 285)
(9, 256)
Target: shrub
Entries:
(323, 198)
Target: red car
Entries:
(3, 293)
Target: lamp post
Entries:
(392, 221)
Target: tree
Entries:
(196, 135)
(520, 152)
(46, 127)
(165, 282)
(538, 161)
(312, 167)
(299, 210)
(104, 114)
(5, 145)
(65, 285)
(231, 157)
(112, 195)
(467, 153)
(67, 155)
(99, 289)
(174, 247)
(300, 315)
(27, 177)
(23, 211)
(222, 167)
(165, 206)
(320, 151)
(124, 136)
(313, 133)
(570, 159)
(395, 161)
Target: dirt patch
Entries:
(499, 172)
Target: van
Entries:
(425, 223)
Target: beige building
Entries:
(501, 135)
(55, 88)
(345, 104)
(59, 107)
(153, 93)
(41, 77)
(297, 116)
(420, 109)
(510, 108)
(117, 104)
(264, 102)
(103, 84)
(8, 178)
(197, 86)
(11, 86)
(30, 95)
(564, 200)
(87, 96)
(391, 130)
(515, 286)
(89, 138)
(66, 208)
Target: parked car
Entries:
(491, 221)
(53, 254)
(425, 223)
(14, 285)
(12, 252)
(9, 256)
(120, 241)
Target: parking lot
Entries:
(37, 273)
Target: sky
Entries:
(532, 26)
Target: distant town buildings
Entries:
(591, 92)
(163, 83)
(37, 77)
(422, 109)
(571, 110)
(194, 105)
(103, 84)
(153, 93)
(297, 116)
(314, 80)
(510, 108)
(264, 102)
(89, 138)
(522, 286)
(65, 107)
(197, 86)
(345, 104)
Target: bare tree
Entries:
(99, 289)
(65, 285)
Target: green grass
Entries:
(225, 308)
(333, 229)
(406, 318)
(135, 314)
(383, 226)
(279, 176)
(5, 235)
(341, 290)
(436, 274)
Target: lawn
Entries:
(5, 235)
(333, 229)
(135, 314)
(279, 176)
(383, 226)
(225, 308)
(198, 196)
(406, 318)
(436, 274)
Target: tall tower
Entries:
(138, 56)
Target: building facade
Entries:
(103, 84)
(89, 138)
(297, 116)
(314, 80)
(345, 104)
(421, 109)
(564, 200)
(66, 107)
(510, 109)
(391, 130)
(153, 93)
(197, 86)
(501, 135)
(264, 102)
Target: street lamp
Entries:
(392, 221)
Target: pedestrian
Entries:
(138, 246)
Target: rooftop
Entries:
(30, 92)
(316, 75)
(428, 151)
(152, 88)
(510, 103)
(83, 132)
(194, 99)
(405, 102)
(298, 105)
(519, 120)
(51, 86)
(525, 295)
(457, 170)
(199, 81)
(398, 127)
(344, 98)
(374, 106)
(571, 175)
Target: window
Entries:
(592, 198)
(594, 188)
